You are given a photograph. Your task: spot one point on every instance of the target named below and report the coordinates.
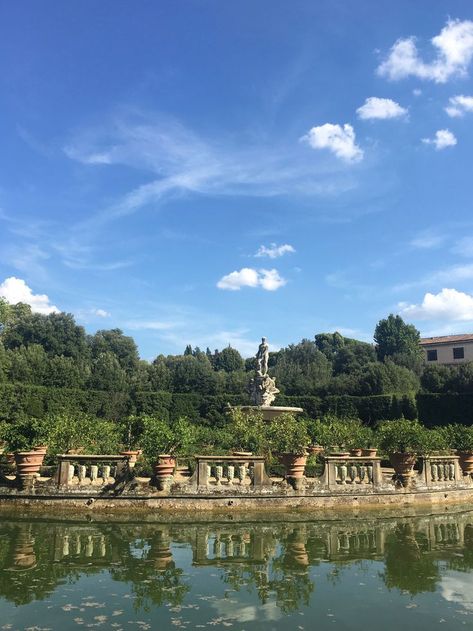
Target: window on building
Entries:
(459, 353)
(432, 356)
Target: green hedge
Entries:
(20, 400)
(441, 409)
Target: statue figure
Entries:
(262, 387)
(262, 358)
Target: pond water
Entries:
(281, 573)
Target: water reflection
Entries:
(273, 562)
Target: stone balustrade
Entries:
(352, 472)
(90, 470)
(230, 471)
(440, 470)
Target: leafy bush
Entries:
(287, 434)
(83, 433)
(406, 436)
(333, 432)
(25, 434)
(248, 431)
(458, 436)
(160, 437)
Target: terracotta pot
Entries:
(28, 463)
(10, 458)
(41, 449)
(355, 452)
(314, 450)
(164, 466)
(370, 452)
(295, 465)
(340, 454)
(466, 461)
(403, 464)
(132, 456)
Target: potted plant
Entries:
(162, 442)
(368, 441)
(248, 432)
(316, 431)
(338, 435)
(26, 438)
(131, 430)
(288, 438)
(460, 438)
(404, 440)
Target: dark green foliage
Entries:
(120, 345)
(229, 360)
(441, 409)
(395, 338)
(153, 403)
(57, 333)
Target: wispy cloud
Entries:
(274, 251)
(428, 240)
(443, 138)
(178, 161)
(382, 109)
(270, 280)
(454, 52)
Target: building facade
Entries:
(448, 349)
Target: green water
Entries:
(282, 573)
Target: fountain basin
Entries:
(270, 412)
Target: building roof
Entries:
(447, 339)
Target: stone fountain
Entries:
(262, 388)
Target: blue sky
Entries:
(208, 172)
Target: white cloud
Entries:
(339, 140)
(448, 304)
(443, 138)
(15, 290)
(274, 251)
(375, 107)
(416, 91)
(459, 105)
(454, 51)
(101, 313)
(270, 280)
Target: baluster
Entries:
(230, 473)
(451, 471)
(353, 473)
(218, 473)
(369, 470)
(433, 471)
(337, 472)
(445, 471)
(94, 472)
(82, 473)
(343, 473)
(241, 473)
(106, 473)
(70, 473)
(362, 473)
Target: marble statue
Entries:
(262, 358)
(262, 387)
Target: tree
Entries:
(122, 346)
(395, 338)
(57, 333)
(229, 360)
(29, 364)
(107, 374)
(329, 344)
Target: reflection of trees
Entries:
(272, 561)
(408, 567)
(153, 576)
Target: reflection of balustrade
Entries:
(440, 470)
(230, 471)
(90, 470)
(80, 546)
(354, 471)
